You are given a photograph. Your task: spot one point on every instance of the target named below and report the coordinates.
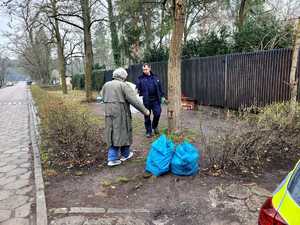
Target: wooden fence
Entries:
(233, 81)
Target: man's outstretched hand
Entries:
(164, 101)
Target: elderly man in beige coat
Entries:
(117, 97)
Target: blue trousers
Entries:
(155, 108)
(113, 152)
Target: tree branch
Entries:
(70, 23)
(98, 20)
(70, 15)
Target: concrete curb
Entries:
(41, 209)
(89, 210)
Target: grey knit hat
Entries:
(120, 73)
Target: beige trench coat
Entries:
(117, 97)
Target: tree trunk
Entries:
(241, 16)
(60, 49)
(293, 78)
(147, 15)
(114, 35)
(88, 50)
(174, 67)
(161, 33)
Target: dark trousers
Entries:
(155, 108)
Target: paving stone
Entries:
(4, 194)
(117, 211)
(237, 191)
(104, 221)
(260, 191)
(115, 221)
(8, 168)
(11, 151)
(4, 215)
(254, 202)
(70, 220)
(16, 221)
(7, 180)
(18, 184)
(80, 220)
(24, 190)
(2, 164)
(9, 159)
(20, 161)
(13, 202)
(23, 211)
(23, 156)
(59, 211)
(17, 172)
(86, 210)
(25, 165)
(26, 175)
(141, 211)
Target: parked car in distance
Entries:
(283, 208)
(29, 82)
(9, 83)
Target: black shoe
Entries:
(156, 131)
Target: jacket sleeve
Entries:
(138, 86)
(130, 96)
(160, 88)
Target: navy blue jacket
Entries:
(142, 85)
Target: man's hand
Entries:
(147, 113)
(99, 99)
(163, 100)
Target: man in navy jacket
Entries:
(149, 86)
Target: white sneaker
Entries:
(114, 163)
(128, 157)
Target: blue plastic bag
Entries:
(185, 161)
(160, 156)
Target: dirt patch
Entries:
(170, 199)
(214, 122)
(176, 200)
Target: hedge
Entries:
(97, 80)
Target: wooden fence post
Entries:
(225, 80)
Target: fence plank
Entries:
(233, 81)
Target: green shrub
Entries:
(78, 81)
(71, 135)
(97, 80)
(276, 116)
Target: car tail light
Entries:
(269, 216)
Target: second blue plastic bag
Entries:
(160, 156)
(185, 161)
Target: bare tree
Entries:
(4, 63)
(196, 10)
(115, 44)
(60, 42)
(30, 41)
(83, 20)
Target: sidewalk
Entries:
(18, 202)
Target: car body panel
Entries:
(284, 203)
